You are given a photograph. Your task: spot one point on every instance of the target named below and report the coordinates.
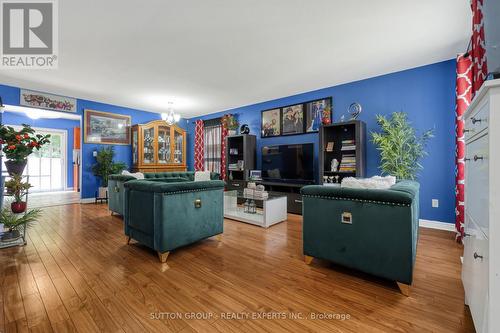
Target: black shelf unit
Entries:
(292, 192)
(337, 133)
(240, 147)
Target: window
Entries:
(212, 147)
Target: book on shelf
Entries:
(329, 146)
(348, 145)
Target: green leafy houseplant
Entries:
(12, 221)
(105, 166)
(18, 145)
(400, 146)
(17, 188)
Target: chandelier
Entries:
(170, 117)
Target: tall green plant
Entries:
(400, 146)
(105, 166)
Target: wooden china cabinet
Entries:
(158, 147)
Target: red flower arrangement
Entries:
(18, 145)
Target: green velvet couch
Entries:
(116, 189)
(165, 216)
(374, 231)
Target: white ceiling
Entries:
(210, 56)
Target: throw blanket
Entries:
(376, 182)
(136, 175)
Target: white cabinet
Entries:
(481, 264)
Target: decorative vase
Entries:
(15, 167)
(18, 207)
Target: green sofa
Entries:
(116, 189)
(165, 216)
(374, 231)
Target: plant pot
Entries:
(10, 235)
(18, 207)
(15, 167)
(102, 192)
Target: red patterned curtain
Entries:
(479, 70)
(463, 99)
(199, 153)
(223, 153)
(471, 73)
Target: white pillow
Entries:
(201, 176)
(376, 182)
(136, 175)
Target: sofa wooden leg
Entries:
(163, 256)
(404, 288)
(219, 237)
(308, 259)
(127, 239)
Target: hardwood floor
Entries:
(78, 274)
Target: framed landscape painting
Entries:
(271, 123)
(106, 128)
(318, 112)
(293, 119)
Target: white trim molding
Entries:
(436, 225)
(87, 200)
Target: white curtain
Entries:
(212, 147)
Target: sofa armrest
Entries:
(170, 188)
(402, 193)
(123, 178)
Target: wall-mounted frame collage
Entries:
(301, 118)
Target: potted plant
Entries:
(104, 167)
(230, 123)
(18, 145)
(16, 187)
(14, 223)
(399, 145)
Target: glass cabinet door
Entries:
(164, 145)
(148, 150)
(178, 144)
(135, 146)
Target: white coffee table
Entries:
(273, 209)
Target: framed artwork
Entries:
(106, 128)
(293, 119)
(41, 100)
(271, 123)
(318, 112)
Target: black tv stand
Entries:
(291, 190)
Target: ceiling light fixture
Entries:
(170, 117)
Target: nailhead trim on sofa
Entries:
(358, 200)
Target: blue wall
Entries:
(10, 95)
(426, 93)
(11, 118)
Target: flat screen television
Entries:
(292, 163)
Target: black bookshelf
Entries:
(349, 148)
(239, 148)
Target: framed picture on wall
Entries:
(271, 123)
(293, 119)
(318, 112)
(41, 100)
(106, 128)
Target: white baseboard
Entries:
(436, 225)
(87, 200)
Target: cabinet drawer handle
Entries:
(298, 201)
(477, 158)
(237, 185)
(475, 120)
(477, 256)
